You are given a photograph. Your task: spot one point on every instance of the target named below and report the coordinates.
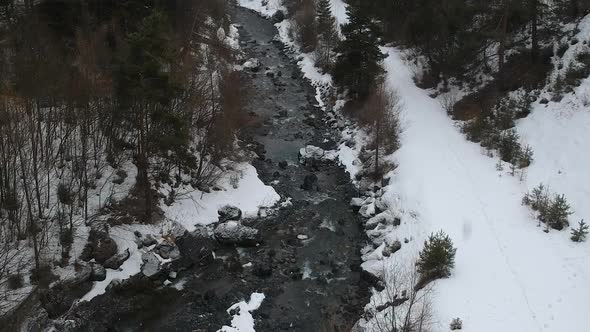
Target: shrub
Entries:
(64, 194)
(15, 281)
(456, 324)
(579, 234)
(509, 146)
(437, 258)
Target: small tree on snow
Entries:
(579, 234)
(558, 213)
(437, 258)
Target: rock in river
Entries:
(233, 232)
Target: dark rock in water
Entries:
(544, 101)
(277, 17)
(229, 212)
(167, 250)
(235, 233)
(116, 261)
(195, 248)
(276, 174)
(283, 164)
(262, 269)
(270, 74)
(151, 264)
(372, 280)
(309, 181)
(99, 273)
(137, 234)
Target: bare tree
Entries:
(400, 306)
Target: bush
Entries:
(579, 234)
(437, 258)
(64, 194)
(15, 281)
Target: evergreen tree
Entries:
(358, 64)
(327, 34)
(579, 234)
(437, 258)
(558, 212)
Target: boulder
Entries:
(283, 164)
(262, 269)
(148, 240)
(391, 248)
(252, 64)
(368, 210)
(277, 17)
(309, 181)
(356, 203)
(114, 283)
(151, 264)
(229, 212)
(196, 248)
(99, 273)
(233, 232)
(117, 260)
(167, 250)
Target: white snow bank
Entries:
(264, 7)
(243, 320)
(509, 275)
(200, 208)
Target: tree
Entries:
(358, 66)
(558, 213)
(381, 116)
(305, 25)
(327, 34)
(437, 258)
(579, 234)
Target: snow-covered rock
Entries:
(151, 264)
(233, 232)
(117, 260)
(229, 212)
(167, 250)
(252, 64)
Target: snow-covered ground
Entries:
(509, 275)
(242, 188)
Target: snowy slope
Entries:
(509, 275)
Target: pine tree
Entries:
(437, 258)
(558, 212)
(579, 234)
(328, 34)
(358, 64)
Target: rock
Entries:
(397, 221)
(309, 181)
(99, 273)
(148, 240)
(172, 275)
(356, 203)
(391, 248)
(151, 264)
(544, 101)
(367, 211)
(311, 152)
(114, 283)
(100, 245)
(196, 248)
(381, 204)
(277, 17)
(167, 250)
(283, 164)
(229, 212)
(269, 73)
(137, 234)
(302, 237)
(262, 269)
(81, 276)
(117, 260)
(235, 233)
(176, 230)
(252, 64)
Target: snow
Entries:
(243, 320)
(339, 12)
(264, 7)
(508, 275)
(125, 238)
(200, 208)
